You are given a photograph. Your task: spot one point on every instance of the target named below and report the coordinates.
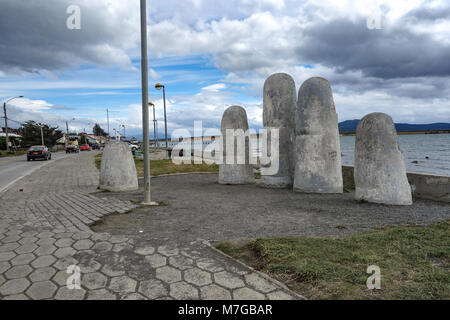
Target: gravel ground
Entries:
(197, 207)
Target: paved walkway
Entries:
(44, 229)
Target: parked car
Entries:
(133, 147)
(85, 147)
(39, 152)
(72, 149)
(95, 146)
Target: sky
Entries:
(379, 56)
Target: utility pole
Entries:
(42, 136)
(145, 117)
(6, 127)
(107, 118)
(6, 122)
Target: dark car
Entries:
(95, 146)
(72, 149)
(39, 152)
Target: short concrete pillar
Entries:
(380, 172)
(280, 103)
(118, 171)
(235, 167)
(318, 167)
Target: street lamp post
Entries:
(159, 86)
(154, 123)
(145, 116)
(124, 136)
(6, 121)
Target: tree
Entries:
(31, 134)
(98, 131)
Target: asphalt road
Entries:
(13, 169)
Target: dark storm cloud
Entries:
(394, 52)
(34, 37)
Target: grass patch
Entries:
(414, 262)
(161, 167)
(12, 153)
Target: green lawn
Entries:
(414, 262)
(162, 167)
(12, 154)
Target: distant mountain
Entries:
(351, 125)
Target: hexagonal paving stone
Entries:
(63, 235)
(168, 274)
(101, 294)
(100, 236)
(46, 234)
(90, 266)
(167, 251)
(228, 280)
(27, 240)
(122, 246)
(156, 260)
(102, 246)
(259, 283)
(181, 263)
(118, 239)
(183, 291)
(29, 234)
(198, 277)
(65, 293)
(26, 248)
(18, 297)
(209, 265)
(279, 295)
(2, 280)
(64, 243)
(46, 242)
(44, 261)
(83, 244)
(6, 256)
(145, 251)
(14, 286)
(9, 247)
(113, 271)
(61, 278)
(64, 263)
(45, 250)
(247, 294)
(123, 284)
(82, 235)
(133, 296)
(22, 259)
(214, 292)
(42, 274)
(18, 272)
(41, 290)
(13, 238)
(64, 252)
(94, 280)
(4, 266)
(153, 289)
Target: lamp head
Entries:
(159, 86)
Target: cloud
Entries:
(35, 37)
